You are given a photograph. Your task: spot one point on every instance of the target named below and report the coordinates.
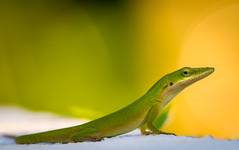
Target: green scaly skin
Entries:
(144, 113)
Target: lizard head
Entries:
(173, 83)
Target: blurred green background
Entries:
(70, 57)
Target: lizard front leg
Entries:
(156, 124)
(145, 130)
(147, 127)
(155, 120)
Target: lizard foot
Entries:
(166, 133)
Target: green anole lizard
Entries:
(143, 113)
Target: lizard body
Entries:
(144, 113)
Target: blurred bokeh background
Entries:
(87, 58)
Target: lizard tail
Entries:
(41, 138)
(9, 136)
(28, 139)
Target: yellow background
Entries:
(197, 33)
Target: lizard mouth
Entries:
(187, 82)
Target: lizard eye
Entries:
(186, 73)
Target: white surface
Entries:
(16, 121)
